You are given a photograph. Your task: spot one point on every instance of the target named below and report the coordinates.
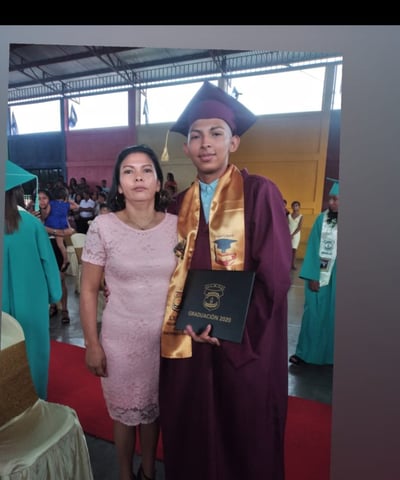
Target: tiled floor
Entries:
(311, 382)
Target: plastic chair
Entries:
(78, 242)
(73, 261)
(38, 439)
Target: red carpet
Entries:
(308, 424)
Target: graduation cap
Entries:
(224, 243)
(212, 102)
(15, 176)
(335, 187)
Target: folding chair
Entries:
(78, 242)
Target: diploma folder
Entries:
(217, 297)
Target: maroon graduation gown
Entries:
(223, 411)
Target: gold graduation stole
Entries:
(226, 227)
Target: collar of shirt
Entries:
(207, 192)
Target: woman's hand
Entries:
(96, 361)
(68, 231)
(204, 337)
(37, 214)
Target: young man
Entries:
(224, 404)
(316, 339)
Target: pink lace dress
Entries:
(138, 266)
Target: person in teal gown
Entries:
(316, 339)
(31, 278)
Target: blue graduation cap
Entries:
(224, 243)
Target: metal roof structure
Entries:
(44, 72)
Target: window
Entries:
(337, 93)
(99, 111)
(297, 90)
(165, 104)
(94, 111)
(35, 118)
(289, 91)
(282, 92)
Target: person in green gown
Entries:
(316, 339)
(31, 278)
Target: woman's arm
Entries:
(72, 204)
(59, 232)
(298, 226)
(91, 282)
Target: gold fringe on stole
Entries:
(226, 221)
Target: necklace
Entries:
(141, 226)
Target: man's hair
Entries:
(332, 216)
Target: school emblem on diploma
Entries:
(212, 296)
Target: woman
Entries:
(44, 212)
(170, 184)
(72, 188)
(30, 276)
(58, 219)
(133, 246)
(316, 340)
(295, 219)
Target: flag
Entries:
(73, 117)
(146, 110)
(14, 125)
(235, 93)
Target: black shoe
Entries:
(64, 267)
(141, 475)
(65, 320)
(296, 360)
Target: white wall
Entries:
(366, 395)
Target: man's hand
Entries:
(106, 292)
(204, 337)
(313, 285)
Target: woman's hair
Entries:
(14, 198)
(116, 200)
(59, 193)
(45, 192)
(44, 213)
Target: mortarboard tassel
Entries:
(165, 154)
